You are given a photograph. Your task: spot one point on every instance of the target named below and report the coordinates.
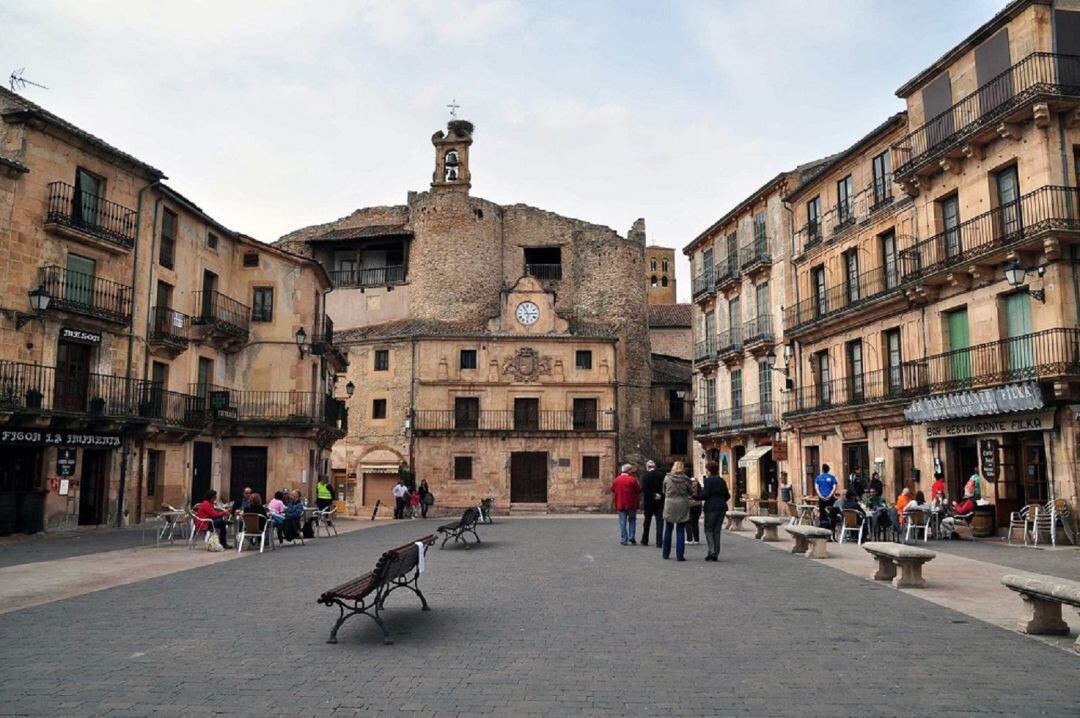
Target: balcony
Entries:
(280, 408)
(85, 294)
(224, 320)
(544, 272)
(987, 238)
(702, 285)
(170, 332)
(175, 411)
(705, 423)
(705, 351)
(842, 299)
(673, 410)
(449, 421)
(38, 390)
(904, 382)
(89, 218)
(738, 420)
(758, 332)
(323, 345)
(729, 343)
(727, 272)
(755, 256)
(369, 277)
(877, 196)
(982, 116)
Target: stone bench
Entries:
(1043, 597)
(809, 540)
(908, 558)
(766, 527)
(734, 520)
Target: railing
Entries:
(92, 214)
(1039, 74)
(880, 191)
(35, 387)
(727, 269)
(171, 408)
(370, 277)
(512, 421)
(705, 422)
(757, 252)
(905, 381)
(705, 350)
(286, 407)
(737, 419)
(758, 329)
(729, 340)
(1047, 208)
(336, 414)
(702, 283)
(867, 287)
(80, 293)
(544, 272)
(223, 313)
(877, 195)
(672, 410)
(169, 326)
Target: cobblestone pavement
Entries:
(16, 550)
(1063, 562)
(547, 617)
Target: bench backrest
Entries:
(470, 517)
(400, 561)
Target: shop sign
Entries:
(852, 430)
(988, 459)
(65, 462)
(225, 413)
(1033, 421)
(779, 451)
(18, 437)
(999, 400)
(82, 336)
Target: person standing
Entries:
(693, 527)
(937, 489)
(324, 494)
(875, 484)
(626, 490)
(400, 492)
(715, 494)
(652, 493)
(857, 482)
(825, 486)
(424, 492)
(677, 488)
(787, 494)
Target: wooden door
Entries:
(906, 466)
(92, 488)
(248, 469)
(200, 470)
(526, 414)
(72, 376)
(528, 477)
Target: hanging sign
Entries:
(988, 459)
(65, 462)
(82, 336)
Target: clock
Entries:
(527, 313)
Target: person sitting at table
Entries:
(917, 504)
(876, 510)
(294, 514)
(240, 503)
(212, 517)
(847, 501)
(276, 509)
(937, 489)
(965, 507)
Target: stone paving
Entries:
(547, 617)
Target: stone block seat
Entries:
(734, 520)
(766, 526)
(909, 559)
(1043, 597)
(809, 540)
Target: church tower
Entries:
(452, 156)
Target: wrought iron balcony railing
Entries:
(35, 387)
(903, 382)
(672, 410)
(79, 293)
(277, 407)
(702, 283)
(729, 341)
(734, 420)
(222, 313)
(1037, 76)
(758, 329)
(92, 214)
(544, 272)
(864, 289)
(168, 326)
(705, 350)
(508, 420)
(727, 270)
(171, 408)
(754, 253)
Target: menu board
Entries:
(988, 459)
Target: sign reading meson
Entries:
(81, 336)
(59, 438)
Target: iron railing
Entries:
(171, 408)
(672, 409)
(1040, 74)
(275, 407)
(169, 326)
(727, 269)
(223, 313)
(368, 277)
(1045, 209)
(754, 253)
(702, 283)
(705, 350)
(729, 341)
(512, 421)
(902, 382)
(72, 291)
(734, 420)
(865, 288)
(36, 387)
(880, 191)
(544, 272)
(705, 422)
(758, 329)
(92, 214)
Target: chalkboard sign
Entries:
(988, 458)
(65, 462)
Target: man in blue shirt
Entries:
(825, 485)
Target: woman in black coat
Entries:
(715, 496)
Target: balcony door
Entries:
(585, 414)
(855, 370)
(85, 204)
(736, 396)
(79, 280)
(209, 287)
(734, 321)
(526, 414)
(1008, 195)
(817, 280)
(205, 376)
(707, 269)
(888, 260)
(1021, 354)
(959, 341)
(72, 376)
(466, 412)
(950, 225)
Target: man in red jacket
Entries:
(626, 490)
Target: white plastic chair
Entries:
(256, 529)
(198, 525)
(915, 521)
(325, 520)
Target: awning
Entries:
(753, 455)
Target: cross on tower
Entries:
(454, 106)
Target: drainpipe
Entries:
(412, 408)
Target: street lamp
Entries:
(1016, 273)
(770, 360)
(39, 299)
(350, 388)
(301, 339)
(39, 302)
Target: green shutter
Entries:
(959, 341)
(1021, 355)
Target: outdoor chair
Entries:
(852, 522)
(1049, 518)
(1023, 519)
(325, 520)
(914, 522)
(254, 528)
(199, 526)
(793, 512)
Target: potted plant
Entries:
(33, 399)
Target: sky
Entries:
(278, 115)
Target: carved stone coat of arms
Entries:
(527, 365)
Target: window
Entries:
(677, 443)
(262, 304)
(817, 285)
(736, 393)
(813, 220)
(761, 299)
(211, 240)
(155, 463)
(735, 319)
(820, 367)
(732, 249)
(583, 359)
(585, 415)
(845, 192)
(463, 468)
(851, 275)
(251, 259)
(382, 360)
(663, 281)
(710, 330)
(590, 467)
(544, 263)
(378, 408)
(450, 165)
(167, 250)
(882, 170)
(467, 412)
(526, 414)
(1008, 196)
(764, 380)
(664, 266)
(467, 358)
(205, 375)
(89, 191)
(707, 268)
(759, 233)
(855, 369)
(949, 211)
(894, 359)
(652, 265)
(655, 281)
(888, 259)
(710, 395)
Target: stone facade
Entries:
(660, 273)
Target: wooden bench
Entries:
(909, 559)
(766, 527)
(733, 520)
(458, 529)
(397, 568)
(809, 540)
(1043, 597)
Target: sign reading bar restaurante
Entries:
(981, 402)
(1033, 421)
(22, 437)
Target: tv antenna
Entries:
(18, 82)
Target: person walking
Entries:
(400, 492)
(424, 492)
(324, 494)
(693, 526)
(677, 488)
(626, 490)
(652, 502)
(715, 495)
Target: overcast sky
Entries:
(277, 115)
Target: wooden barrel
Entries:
(982, 523)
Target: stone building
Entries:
(495, 350)
(660, 273)
(147, 353)
(930, 315)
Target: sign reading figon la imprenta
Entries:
(979, 402)
(1031, 421)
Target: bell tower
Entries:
(452, 156)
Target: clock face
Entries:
(527, 313)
